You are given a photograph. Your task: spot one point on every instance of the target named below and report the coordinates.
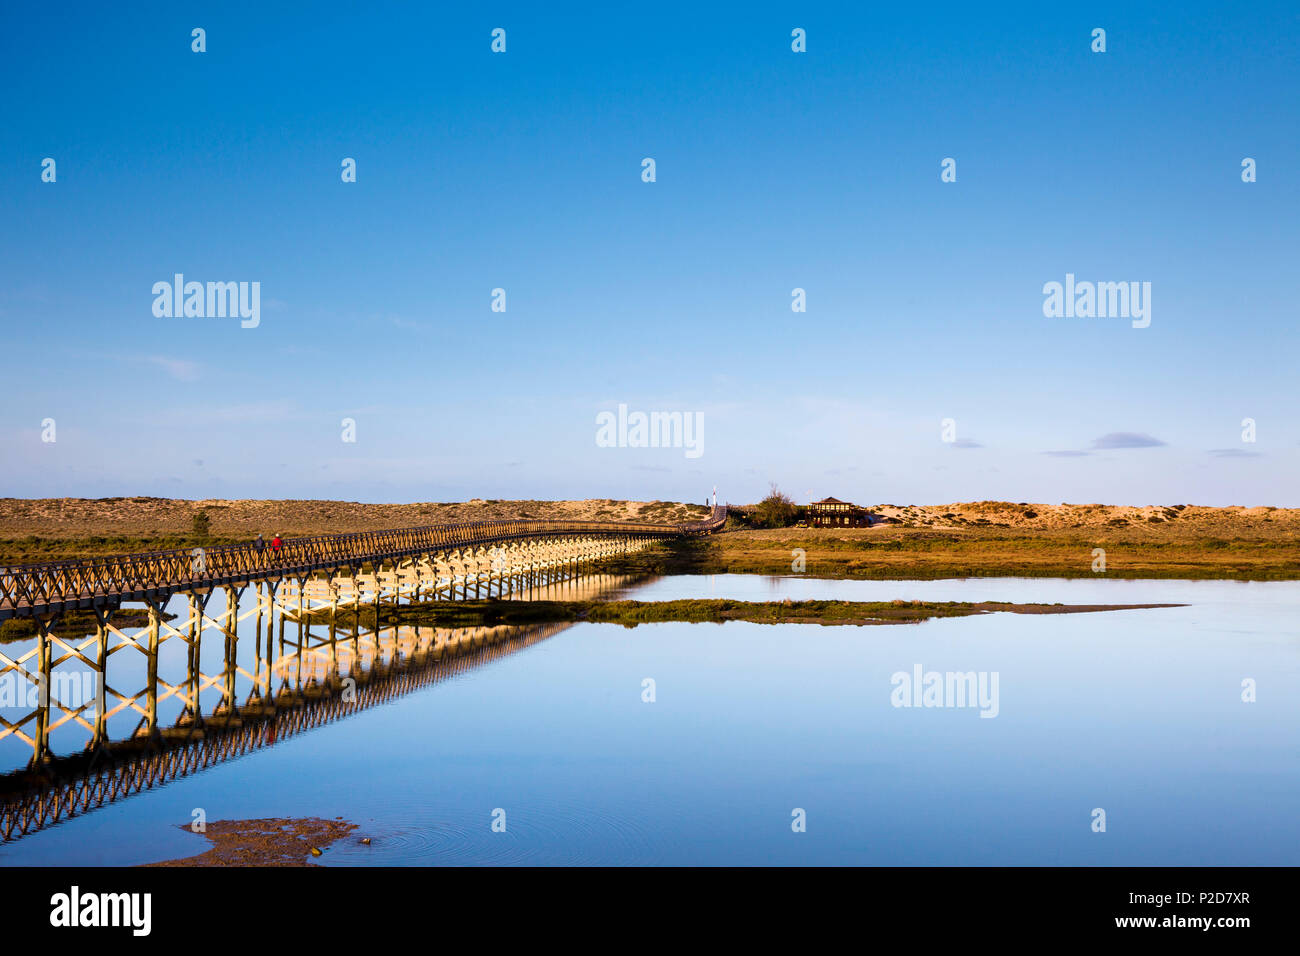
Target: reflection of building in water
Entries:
(322, 669)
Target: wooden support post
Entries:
(100, 735)
(379, 594)
(151, 677)
(231, 629)
(194, 632)
(41, 734)
(334, 614)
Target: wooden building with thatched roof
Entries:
(833, 513)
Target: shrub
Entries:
(777, 510)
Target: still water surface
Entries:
(1136, 712)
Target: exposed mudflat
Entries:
(275, 841)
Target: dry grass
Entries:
(1002, 539)
(912, 553)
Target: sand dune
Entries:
(1028, 516)
(76, 517)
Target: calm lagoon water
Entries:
(1136, 712)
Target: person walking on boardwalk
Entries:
(276, 545)
(261, 547)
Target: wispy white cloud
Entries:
(1127, 440)
(183, 370)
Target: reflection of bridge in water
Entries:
(319, 674)
(235, 696)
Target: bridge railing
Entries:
(26, 587)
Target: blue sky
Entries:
(775, 170)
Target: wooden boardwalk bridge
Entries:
(54, 682)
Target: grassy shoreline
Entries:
(908, 555)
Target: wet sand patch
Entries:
(273, 841)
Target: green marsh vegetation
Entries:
(632, 613)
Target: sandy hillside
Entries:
(1030, 517)
(77, 517)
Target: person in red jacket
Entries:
(276, 545)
